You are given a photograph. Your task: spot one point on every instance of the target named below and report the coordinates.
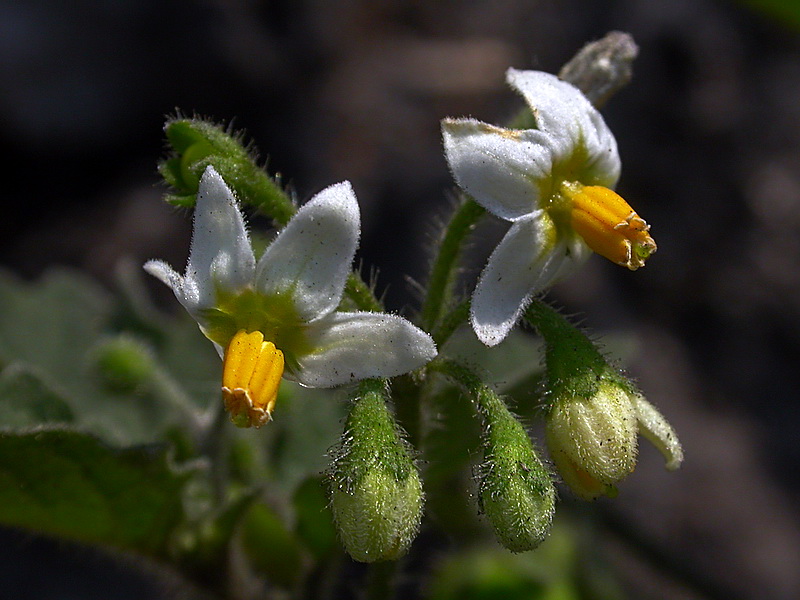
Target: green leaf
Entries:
(273, 550)
(60, 329)
(49, 322)
(307, 423)
(71, 485)
(26, 400)
(314, 521)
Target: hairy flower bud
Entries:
(196, 144)
(124, 364)
(595, 413)
(379, 516)
(374, 487)
(592, 439)
(516, 490)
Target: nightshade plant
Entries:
(227, 489)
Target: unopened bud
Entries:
(516, 490)
(196, 144)
(595, 413)
(124, 364)
(592, 439)
(375, 489)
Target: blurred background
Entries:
(708, 131)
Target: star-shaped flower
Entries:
(554, 184)
(278, 317)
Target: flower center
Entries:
(608, 224)
(251, 374)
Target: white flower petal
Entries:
(354, 346)
(500, 168)
(184, 291)
(527, 260)
(221, 256)
(561, 109)
(655, 428)
(557, 105)
(311, 257)
(603, 165)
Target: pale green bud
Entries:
(124, 364)
(595, 413)
(592, 439)
(374, 487)
(378, 517)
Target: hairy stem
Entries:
(445, 264)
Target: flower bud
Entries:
(374, 487)
(124, 364)
(516, 490)
(595, 413)
(592, 439)
(196, 144)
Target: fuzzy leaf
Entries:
(71, 485)
(26, 400)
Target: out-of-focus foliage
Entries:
(786, 12)
(71, 485)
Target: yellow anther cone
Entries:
(251, 374)
(609, 226)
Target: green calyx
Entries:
(275, 316)
(575, 367)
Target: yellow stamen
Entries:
(251, 373)
(609, 226)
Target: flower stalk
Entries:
(515, 488)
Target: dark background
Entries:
(709, 134)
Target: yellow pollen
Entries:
(608, 225)
(251, 374)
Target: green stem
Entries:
(444, 269)
(256, 188)
(170, 390)
(569, 353)
(450, 322)
(380, 580)
(488, 403)
(215, 445)
(361, 294)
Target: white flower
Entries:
(553, 184)
(280, 313)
